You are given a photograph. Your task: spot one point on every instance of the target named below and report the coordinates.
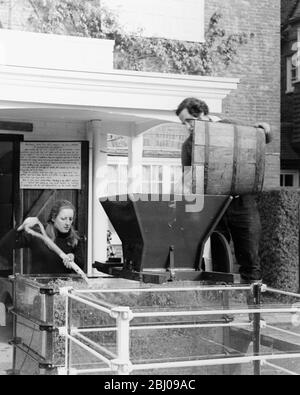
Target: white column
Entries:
(98, 221)
(166, 186)
(2, 315)
(135, 161)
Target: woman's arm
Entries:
(19, 237)
(67, 259)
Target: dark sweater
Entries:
(186, 152)
(44, 260)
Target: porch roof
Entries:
(27, 94)
(37, 88)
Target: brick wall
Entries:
(258, 67)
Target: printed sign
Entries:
(50, 165)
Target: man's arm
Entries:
(14, 239)
(267, 129)
(263, 125)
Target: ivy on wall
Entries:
(135, 52)
(173, 56)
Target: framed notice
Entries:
(50, 165)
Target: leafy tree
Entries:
(72, 17)
(133, 51)
(218, 51)
(1, 25)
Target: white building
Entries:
(67, 89)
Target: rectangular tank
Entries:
(117, 326)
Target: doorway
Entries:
(9, 193)
(38, 203)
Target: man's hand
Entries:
(29, 222)
(267, 130)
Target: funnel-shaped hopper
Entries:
(149, 228)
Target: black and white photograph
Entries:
(149, 190)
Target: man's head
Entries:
(191, 109)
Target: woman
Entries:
(60, 230)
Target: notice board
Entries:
(50, 165)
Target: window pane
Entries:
(146, 184)
(294, 74)
(123, 179)
(112, 180)
(176, 179)
(291, 74)
(156, 180)
(289, 180)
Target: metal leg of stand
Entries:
(257, 329)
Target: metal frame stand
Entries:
(120, 362)
(257, 292)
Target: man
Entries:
(241, 221)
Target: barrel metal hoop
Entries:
(260, 161)
(206, 162)
(235, 160)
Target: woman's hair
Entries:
(50, 228)
(194, 106)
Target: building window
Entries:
(152, 179)
(292, 74)
(159, 175)
(293, 65)
(289, 179)
(117, 176)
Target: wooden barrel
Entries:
(228, 159)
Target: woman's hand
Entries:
(68, 259)
(29, 222)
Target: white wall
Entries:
(53, 130)
(173, 19)
(60, 130)
(50, 51)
